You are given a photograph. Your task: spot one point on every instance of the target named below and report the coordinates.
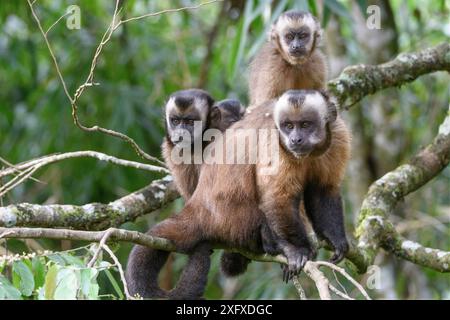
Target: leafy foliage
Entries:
(55, 276)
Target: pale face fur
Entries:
(296, 36)
(189, 121)
(301, 118)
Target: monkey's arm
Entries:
(323, 207)
(287, 232)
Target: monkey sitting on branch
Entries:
(183, 111)
(290, 59)
(241, 206)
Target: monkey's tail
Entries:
(144, 265)
(233, 264)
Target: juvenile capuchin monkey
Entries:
(182, 110)
(289, 60)
(235, 204)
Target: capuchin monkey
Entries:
(240, 206)
(225, 113)
(289, 60)
(182, 110)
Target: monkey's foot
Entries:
(340, 250)
(296, 261)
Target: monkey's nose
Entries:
(296, 140)
(177, 139)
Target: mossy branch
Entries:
(358, 81)
(92, 216)
(374, 229)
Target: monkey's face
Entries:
(296, 36)
(302, 118)
(225, 113)
(187, 116)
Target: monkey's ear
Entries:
(318, 34)
(215, 115)
(331, 106)
(273, 34)
(332, 112)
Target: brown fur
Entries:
(185, 176)
(233, 202)
(271, 75)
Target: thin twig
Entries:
(89, 82)
(346, 275)
(322, 283)
(55, 62)
(298, 286)
(17, 180)
(56, 22)
(338, 282)
(46, 160)
(340, 293)
(100, 247)
(122, 274)
(6, 162)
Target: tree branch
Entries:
(46, 160)
(358, 81)
(92, 216)
(374, 229)
(112, 234)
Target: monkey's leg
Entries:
(194, 277)
(324, 208)
(144, 264)
(142, 272)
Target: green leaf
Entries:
(23, 278)
(68, 282)
(7, 290)
(72, 260)
(89, 286)
(312, 7)
(50, 282)
(39, 272)
(56, 258)
(114, 284)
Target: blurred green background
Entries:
(210, 48)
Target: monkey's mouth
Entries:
(180, 141)
(297, 53)
(300, 151)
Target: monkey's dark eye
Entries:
(305, 124)
(303, 36)
(190, 122)
(289, 37)
(289, 126)
(175, 121)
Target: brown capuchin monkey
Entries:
(241, 206)
(182, 110)
(289, 60)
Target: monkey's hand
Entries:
(297, 258)
(340, 250)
